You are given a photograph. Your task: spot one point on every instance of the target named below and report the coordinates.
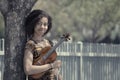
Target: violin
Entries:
(48, 55)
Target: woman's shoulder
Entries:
(30, 44)
(49, 41)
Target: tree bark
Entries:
(14, 14)
(3, 6)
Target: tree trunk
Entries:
(14, 14)
(14, 43)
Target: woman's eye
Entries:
(40, 23)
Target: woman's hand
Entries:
(56, 64)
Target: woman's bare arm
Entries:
(33, 69)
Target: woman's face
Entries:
(41, 26)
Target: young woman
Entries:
(38, 23)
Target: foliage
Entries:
(1, 26)
(86, 20)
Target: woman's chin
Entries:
(41, 33)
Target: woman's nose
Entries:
(42, 26)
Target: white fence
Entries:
(87, 61)
(1, 46)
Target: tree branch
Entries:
(3, 6)
(29, 6)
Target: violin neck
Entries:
(52, 49)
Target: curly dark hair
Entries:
(33, 18)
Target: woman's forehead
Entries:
(43, 19)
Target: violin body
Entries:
(48, 55)
(40, 60)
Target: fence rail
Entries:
(1, 46)
(87, 61)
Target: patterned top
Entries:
(36, 48)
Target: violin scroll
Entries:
(66, 36)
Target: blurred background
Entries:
(95, 21)
(89, 22)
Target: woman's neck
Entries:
(37, 38)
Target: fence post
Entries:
(3, 41)
(81, 60)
